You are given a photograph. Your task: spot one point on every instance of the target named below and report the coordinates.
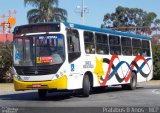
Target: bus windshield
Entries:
(39, 50)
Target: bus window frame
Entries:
(137, 50)
(147, 50)
(72, 55)
(90, 49)
(112, 45)
(103, 45)
(128, 52)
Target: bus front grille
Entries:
(38, 70)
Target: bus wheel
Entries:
(133, 81)
(42, 93)
(86, 86)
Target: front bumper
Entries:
(60, 83)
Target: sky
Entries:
(94, 16)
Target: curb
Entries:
(152, 82)
(6, 87)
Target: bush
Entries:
(156, 62)
(5, 62)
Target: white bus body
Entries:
(101, 69)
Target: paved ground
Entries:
(6, 87)
(146, 95)
(10, 86)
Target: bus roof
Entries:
(83, 27)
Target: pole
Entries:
(4, 33)
(82, 11)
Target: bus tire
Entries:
(86, 86)
(42, 93)
(133, 81)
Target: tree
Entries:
(156, 24)
(45, 11)
(156, 62)
(5, 62)
(129, 17)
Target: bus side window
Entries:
(89, 42)
(126, 46)
(101, 43)
(73, 44)
(146, 48)
(137, 48)
(70, 45)
(115, 46)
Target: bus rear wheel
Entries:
(86, 86)
(42, 93)
(133, 83)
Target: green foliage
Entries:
(156, 62)
(45, 11)
(157, 24)
(5, 62)
(129, 17)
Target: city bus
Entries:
(65, 56)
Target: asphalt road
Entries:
(144, 96)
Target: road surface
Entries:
(144, 96)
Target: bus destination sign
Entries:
(37, 28)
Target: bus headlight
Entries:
(12, 71)
(14, 74)
(17, 77)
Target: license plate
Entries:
(36, 85)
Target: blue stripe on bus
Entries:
(78, 26)
(141, 67)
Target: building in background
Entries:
(6, 38)
(156, 39)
